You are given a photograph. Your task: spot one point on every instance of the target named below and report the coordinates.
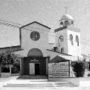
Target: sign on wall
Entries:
(61, 69)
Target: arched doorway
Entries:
(35, 63)
(35, 52)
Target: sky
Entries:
(47, 12)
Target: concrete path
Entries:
(12, 83)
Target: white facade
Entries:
(74, 50)
(62, 44)
(27, 43)
(68, 38)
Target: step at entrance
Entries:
(32, 77)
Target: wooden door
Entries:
(32, 68)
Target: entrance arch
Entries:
(35, 52)
(37, 63)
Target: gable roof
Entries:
(11, 48)
(33, 23)
(58, 59)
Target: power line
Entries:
(12, 24)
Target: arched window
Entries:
(61, 23)
(61, 38)
(62, 50)
(66, 23)
(77, 40)
(72, 22)
(71, 38)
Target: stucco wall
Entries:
(27, 43)
(74, 49)
(64, 43)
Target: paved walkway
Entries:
(36, 83)
(25, 84)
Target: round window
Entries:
(35, 35)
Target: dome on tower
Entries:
(66, 20)
(67, 16)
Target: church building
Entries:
(68, 37)
(34, 45)
(36, 52)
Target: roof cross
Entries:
(66, 9)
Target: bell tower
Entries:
(67, 36)
(66, 20)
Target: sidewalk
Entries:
(4, 80)
(33, 83)
(65, 83)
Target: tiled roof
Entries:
(12, 49)
(58, 59)
(37, 23)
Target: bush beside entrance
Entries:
(79, 68)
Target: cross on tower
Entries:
(66, 9)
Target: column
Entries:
(47, 59)
(21, 66)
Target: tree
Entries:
(1, 60)
(0, 67)
(7, 60)
(0, 63)
(16, 64)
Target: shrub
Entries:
(79, 69)
(15, 68)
